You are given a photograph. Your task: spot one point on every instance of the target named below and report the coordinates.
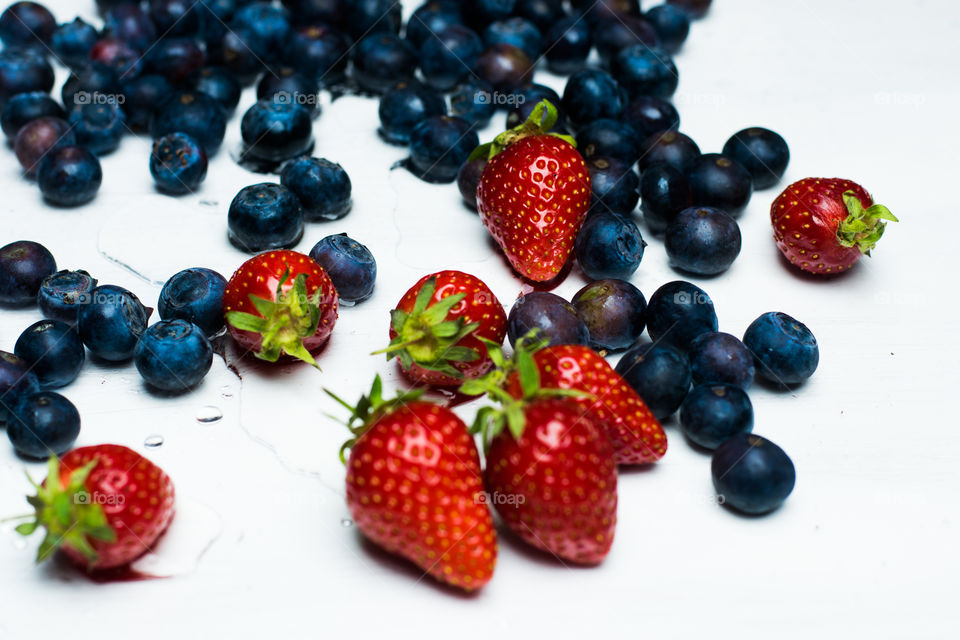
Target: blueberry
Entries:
(23, 70)
(669, 147)
(72, 41)
(69, 176)
(24, 107)
(672, 25)
(219, 84)
(26, 24)
(214, 17)
(609, 246)
(403, 106)
(195, 114)
(175, 18)
(505, 67)
(430, 18)
(322, 186)
(594, 11)
(719, 181)
(16, 381)
(712, 413)
(762, 152)
(447, 57)
(613, 185)
(468, 179)
(43, 424)
(784, 349)
(751, 474)
(613, 36)
(239, 51)
(111, 323)
(649, 115)
(174, 58)
(702, 240)
(567, 45)
(178, 163)
(480, 13)
(679, 312)
(318, 51)
(62, 293)
(173, 355)
(269, 23)
(659, 374)
(664, 193)
(116, 54)
(276, 130)
(130, 23)
(471, 100)
(591, 94)
(542, 13)
(610, 138)
(381, 60)
(286, 84)
(721, 358)
(526, 101)
(643, 71)
(194, 295)
(23, 266)
(265, 216)
(613, 311)
(90, 82)
(38, 138)
(439, 145)
(317, 11)
(142, 97)
(694, 8)
(517, 31)
(556, 319)
(349, 264)
(53, 351)
(98, 126)
(369, 17)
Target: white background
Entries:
(865, 547)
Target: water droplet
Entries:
(346, 523)
(209, 414)
(153, 441)
(226, 391)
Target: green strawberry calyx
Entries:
(284, 321)
(70, 516)
(370, 408)
(862, 228)
(426, 337)
(539, 123)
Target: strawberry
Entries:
(103, 506)
(824, 225)
(281, 302)
(438, 328)
(534, 194)
(414, 487)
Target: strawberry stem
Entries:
(540, 121)
(862, 228)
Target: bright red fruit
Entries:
(414, 487)
(438, 328)
(281, 302)
(824, 225)
(533, 195)
(104, 506)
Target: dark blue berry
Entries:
(517, 31)
(613, 36)
(609, 246)
(98, 126)
(130, 23)
(16, 381)
(447, 57)
(62, 293)
(24, 107)
(694, 8)
(721, 182)
(659, 374)
(721, 358)
(591, 94)
(176, 18)
(670, 147)
(21, 71)
(142, 97)
(381, 60)
(526, 100)
(556, 319)
(219, 84)
(195, 114)
(473, 101)
(323, 187)
(116, 54)
(194, 295)
(173, 356)
(38, 138)
(643, 71)
(664, 193)
(368, 17)
(214, 17)
(567, 45)
(504, 67)
(712, 413)
(27, 24)
(403, 106)
(349, 264)
(762, 152)
(69, 176)
(265, 216)
(430, 18)
(178, 163)
(23, 266)
(671, 24)
(439, 145)
(309, 12)
(53, 351)
(613, 185)
(241, 52)
(594, 11)
(784, 349)
(269, 23)
(111, 323)
(542, 13)
(468, 179)
(92, 82)
(480, 13)
(613, 311)
(649, 115)
(318, 51)
(702, 240)
(751, 474)
(276, 130)
(174, 58)
(72, 41)
(43, 424)
(679, 312)
(609, 138)
(286, 84)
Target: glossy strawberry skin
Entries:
(260, 276)
(414, 487)
(533, 198)
(556, 487)
(805, 218)
(136, 496)
(479, 305)
(636, 435)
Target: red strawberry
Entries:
(414, 487)
(281, 302)
(824, 225)
(104, 506)
(438, 328)
(534, 194)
